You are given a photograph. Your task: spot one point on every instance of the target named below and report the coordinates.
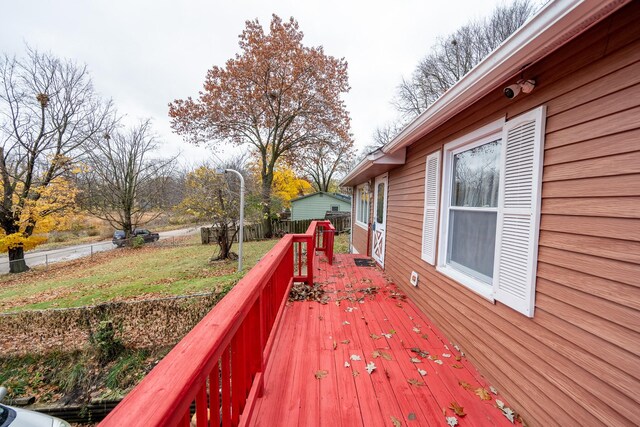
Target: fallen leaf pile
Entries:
(305, 292)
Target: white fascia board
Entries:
(353, 173)
(396, 158)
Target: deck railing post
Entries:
(263, 340)
(329, 235)
(311, 250)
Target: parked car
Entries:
(18, 417)
(119, 236)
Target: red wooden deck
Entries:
(312, 379)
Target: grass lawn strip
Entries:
(125, 274)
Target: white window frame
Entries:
(364, 225)
(483, 135)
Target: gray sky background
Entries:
(144, 54)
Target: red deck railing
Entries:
(219, 365)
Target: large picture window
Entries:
(362, 206)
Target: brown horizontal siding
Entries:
(603, 126)
(604, 247)
(624, 142)
(614, 207)
(593, 187)
(619, 164)
(576, 361)
(603, 288)
(615, 228)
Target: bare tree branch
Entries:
(123, 184)
(455, 55)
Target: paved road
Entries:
(67, 253)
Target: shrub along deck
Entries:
(318, 375)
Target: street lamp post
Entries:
(241, 237)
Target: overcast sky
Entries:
(144, 54)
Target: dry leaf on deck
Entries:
(452, 421)
(508, 412)
(321, 374)
(396, 422)
(374, 336)
(370, 367)
(465, 385)
(355, 357)
(459, 410)
(457, 366)
(415, 382)
(493, 389)
(335, 345)
(483, 394)
(415, 360)
(345, 341)
(355, 373)
(422, 372)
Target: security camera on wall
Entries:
(512, 91)
(524, 86)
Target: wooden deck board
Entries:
(313, 339)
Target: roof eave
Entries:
(556, 24)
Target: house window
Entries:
(473, 209)
(335, 208)
(490, 210)
(362, 206)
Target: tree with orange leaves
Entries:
(277, 96)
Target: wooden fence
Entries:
(253, 232)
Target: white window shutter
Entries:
(519, 211)
(430, 220)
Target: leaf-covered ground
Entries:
(79, 376)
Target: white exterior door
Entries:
(379, 218)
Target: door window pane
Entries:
(380, 204)
(476, 176)
(472, 242)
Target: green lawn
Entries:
(128, 274)
(125, 274)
